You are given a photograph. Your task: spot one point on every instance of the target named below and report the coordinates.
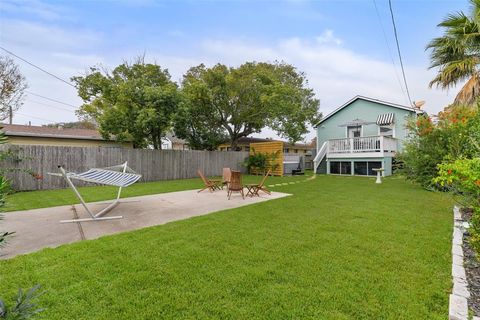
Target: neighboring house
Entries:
(244, 145)
(361, 135)
(171, 142)
(36, 135)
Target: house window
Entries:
(360, 168)
(335, 167)
(229, 148)
(247, 148)
(373, 165)
(286, 150)
(295, 150)
(365, 168)
(341, 167)
(387, 131)
(354, 131)
(345, 167)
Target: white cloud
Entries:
(61, 51)
(335, 72)
(46, 37)
(34, 7)
(327, 37)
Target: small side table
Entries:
(379, 172)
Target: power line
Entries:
(53, 100)
(29, 116)
(398, 50)
(389, 50)
(54, 107)
(39, 68)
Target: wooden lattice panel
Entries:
(269, 148)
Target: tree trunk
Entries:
(233, 144)
(234, 139)
(469, 93)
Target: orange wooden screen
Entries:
(269, 148)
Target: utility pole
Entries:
(10, 114)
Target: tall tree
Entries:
(456, 54)
(12, 88)
(194, 124)
(237, 102)
(134, 101)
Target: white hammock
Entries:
(119, 176)
(107, 177)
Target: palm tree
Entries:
(456, 54)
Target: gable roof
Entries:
(389, 104)
(49, 132)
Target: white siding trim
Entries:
(389, 104)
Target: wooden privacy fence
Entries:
(153, 165)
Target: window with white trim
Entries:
(386, 130)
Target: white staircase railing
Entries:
(322, 152)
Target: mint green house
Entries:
(361, 135)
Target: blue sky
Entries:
(339, 44)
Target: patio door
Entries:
(354, 132)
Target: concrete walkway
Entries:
(40, 228)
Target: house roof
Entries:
(48, 132)
(174, 139)
(390, 104)
(253, 140)
(248, 140)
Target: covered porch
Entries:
(361, 146)
(356, 156)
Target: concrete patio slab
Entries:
(41, 228)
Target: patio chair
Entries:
(227, 174)
(253, 189)
(235, 184)
(210, 184)
(120, 176)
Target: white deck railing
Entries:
(362, 144)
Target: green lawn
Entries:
(339, 248)
(51, 198)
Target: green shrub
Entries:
(455, 136)
(25, 306)
(462, 178)
(259, 162)
(256, 161)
